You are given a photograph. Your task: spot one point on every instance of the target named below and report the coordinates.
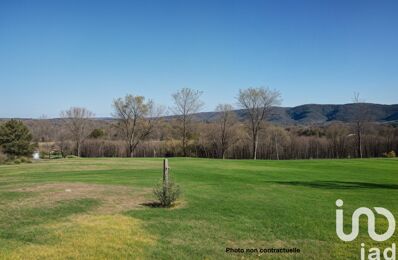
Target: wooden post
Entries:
(165, 171)
(165, 178)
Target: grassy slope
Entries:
(225, 204)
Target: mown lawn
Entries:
(95, 208)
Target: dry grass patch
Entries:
(90, 237)
(114, 198)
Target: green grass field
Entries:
(95, 208)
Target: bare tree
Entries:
(337, 134)
(77, 121)
(136, 118)
(225, 130)
(186, 102)
(257, 102)
(63, 142)
(360, 118)
(277, 139)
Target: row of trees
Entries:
(140, 128)
(137, 117)
(206, 139)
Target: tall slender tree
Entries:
(226, 131)
(360, 118)
(77, 121)
(186, 102)
(257, 102)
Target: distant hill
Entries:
(309, 114)
(319, 114)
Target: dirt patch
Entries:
(114, 198)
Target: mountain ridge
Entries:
(319, 113)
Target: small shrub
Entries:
(44, 155)
(9, 160)
(17, 161)
(56, 155)
(390, 154)
(71, 156)
(25, 160)
(167, 195)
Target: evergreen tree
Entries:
(15, 139)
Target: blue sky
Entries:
(56, 54)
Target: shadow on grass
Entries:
(152, 204)
(156, 204)
(338, 184)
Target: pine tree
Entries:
(15, 138)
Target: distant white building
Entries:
(36, 156)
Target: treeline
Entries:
(275, 142)
(139, 129)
